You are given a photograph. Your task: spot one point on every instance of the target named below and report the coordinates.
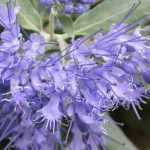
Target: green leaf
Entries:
(35, 4)
(43, 12)
(28, 17)
(67, 23)
(116, 139)
(3, 1)
(107, 13)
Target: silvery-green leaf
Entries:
(67, 24)
(107, 13)
(116, 139)
(3, 1)
(28, 17)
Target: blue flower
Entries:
(34, 46)
(8, 15)
(41, 96)
(11, 40)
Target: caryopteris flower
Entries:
(43, 97)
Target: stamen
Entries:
(135, 110)
(131, 10)
(11, 142)
(68, 132)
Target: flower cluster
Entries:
(71, 6)
(46, 103)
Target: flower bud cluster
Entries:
(71, 6)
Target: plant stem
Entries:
(52, 24)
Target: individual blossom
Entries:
(34, 47)
(8, 15)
